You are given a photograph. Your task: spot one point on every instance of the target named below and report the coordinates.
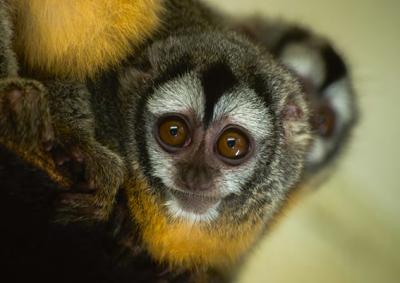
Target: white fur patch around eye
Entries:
(182, 94)
(305, 61)
(318, 151)
(243, 107)
(339, 94)
(176, 212)
(161, 162)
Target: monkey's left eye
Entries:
(173, 133)
(324, 121)
(233, 145)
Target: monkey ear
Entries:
(295, 120)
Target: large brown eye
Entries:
(233, 144)
(173, 133)
(324, 121)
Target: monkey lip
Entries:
(196, 203)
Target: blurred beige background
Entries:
(349, 230)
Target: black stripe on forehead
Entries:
(259, 84)
(216, 80)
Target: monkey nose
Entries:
(197, 179)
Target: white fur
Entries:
(339, 94)
(318, 151)
(177, 212)
(305, 61)
(244, 108)
(180, 95)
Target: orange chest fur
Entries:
(76, 39)
(182, 244)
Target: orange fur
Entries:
(79, 38)
(181, 244)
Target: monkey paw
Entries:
(24, 113)
(96, 173)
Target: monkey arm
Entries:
(52, 128)
(8, 62)
(11, 87)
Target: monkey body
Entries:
(165, 244)
(190, 241)
(192, 49)
(171, 236)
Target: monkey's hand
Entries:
(56, 121)
(24, 114)
(96, 171)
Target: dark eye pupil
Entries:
(173, 130)
(231, 142)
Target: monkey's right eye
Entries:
(173, 133)
(233, 145)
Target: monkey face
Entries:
(219, 129)
(203, 157)
(327, 84)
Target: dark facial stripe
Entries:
(335, 67)
(216, 80)
(259, 85)
(140, 135)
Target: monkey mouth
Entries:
(196, 203)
